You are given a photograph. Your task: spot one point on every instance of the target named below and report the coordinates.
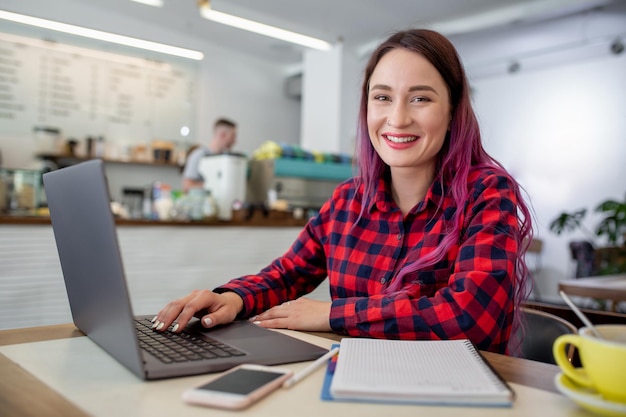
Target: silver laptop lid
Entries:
(86, 238)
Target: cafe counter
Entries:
(273, 218)
(162, 259)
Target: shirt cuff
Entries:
(342, 316)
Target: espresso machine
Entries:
(225, 177)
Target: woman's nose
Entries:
(399, 116)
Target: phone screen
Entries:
(241, 381)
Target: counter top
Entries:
(273, 219)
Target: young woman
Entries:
(426, 242)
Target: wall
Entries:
(558, 124)
(564, 142)
(329, 114)
(321, 96)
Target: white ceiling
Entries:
(358, 23)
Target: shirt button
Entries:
(383, 281)
(399, 236)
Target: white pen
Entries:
(309, 369)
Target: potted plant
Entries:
(609, 258)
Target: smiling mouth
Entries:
(401, 139)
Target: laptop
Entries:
(91, 261)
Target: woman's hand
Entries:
(301, 314)
(211, 308)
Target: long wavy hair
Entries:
(461, 151)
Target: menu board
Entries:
(87, 92)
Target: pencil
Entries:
(309, 369)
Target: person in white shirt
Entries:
(224, 137)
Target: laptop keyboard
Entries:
(171, 347)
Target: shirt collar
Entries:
(383, 199)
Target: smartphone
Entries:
(239, 387)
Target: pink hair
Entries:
(461, 151)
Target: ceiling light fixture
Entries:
(155, 3)
(260, 28)
(86, 52)
(103, 36)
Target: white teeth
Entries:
(403, 139)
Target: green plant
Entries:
(609, 259)
(612, 225)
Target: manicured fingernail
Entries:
(175, 328)
(208, 321)
(155, 324)
(153, 319)
(256, 322)
(253, 319)
(160, 326)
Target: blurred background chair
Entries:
(541, 331)
(582, 252)
(533, 261)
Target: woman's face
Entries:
(408, 111)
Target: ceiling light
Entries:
(103, 36)
(155, 3)
(86, 52)
(260, 28)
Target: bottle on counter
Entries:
(196, 203)
(162, 201)
(99, 148)
(89, 151)
(146, 204)
(210, 208)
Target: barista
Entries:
(224, 137)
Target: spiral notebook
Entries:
(443, 372)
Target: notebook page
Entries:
(413, 367)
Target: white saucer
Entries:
(588, 398)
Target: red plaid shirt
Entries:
(468, 294)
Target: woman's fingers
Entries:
(300, 314)
(211, 308)
(177, 313)
(170, 313)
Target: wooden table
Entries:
(605, 287)
(21, 393)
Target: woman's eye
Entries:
(381, 97)
(420, 99)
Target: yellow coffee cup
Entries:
(603, 360)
